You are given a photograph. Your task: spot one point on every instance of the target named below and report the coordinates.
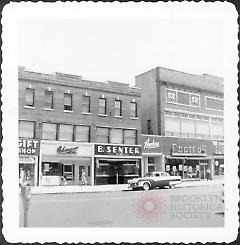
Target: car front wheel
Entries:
(146, 186)
(172, 186)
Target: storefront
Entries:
(28, 160)
(65, 160)
(116, 164)
(189, 158)
(152, 157)
(218, 157)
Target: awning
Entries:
(63, 159)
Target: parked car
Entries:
(153, 180)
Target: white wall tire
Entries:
(146, 186)
(171, 186)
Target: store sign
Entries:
(150, 143)
(190, 150)
(116, 150)
(28, 147)
(66, 149)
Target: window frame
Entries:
(215, 98)
(58, 132)
(118, 109)
(33, 97)
(52, 96)
(34, 128)
(74, 132)
(71, 106)
(86, 104)
(100, 106)
(135, 110)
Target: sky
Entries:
(119, 49)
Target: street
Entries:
(180, 207)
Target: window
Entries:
(48, 100)
(29, 99)
(188, 128)
(183, 98)
(195, 100)
(217, 130)
(65, 132)
(171, 96)
(26, 129)
(130, 136)
(118, 108)
(202, 129)
(68, 102)
(82, 133)
(86, 104)
(102, 135)
(149, 127)
(214, 103)
(172, 126)
(133, 109)
(102, 106)
(51, 169)
(49, 131)
(116, 135)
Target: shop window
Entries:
(29, 99)
(49, 131)
(103, 169)
(82, 133)
(102, 135)
(86, 104)
(67, 102)
(130, 136)
(131, 168)
(26, 129)
(48, 100)
(118, 108)
(116, 136)
(51, 169)
(133, 109)
(65, 132)
(102, 106)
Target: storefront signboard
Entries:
(150, 143)
(65, 149)
(117, 150)
(28, 147)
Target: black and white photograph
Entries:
(120, 115)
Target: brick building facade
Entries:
(70, 115)
(187, 111)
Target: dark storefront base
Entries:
(112, 171)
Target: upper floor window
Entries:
(26, 129)
(82, 133)
(86, 104)
(48, 99)
(130, 136)
(102, 135)
(116, 135)
(65, 132)
(133, 109)
(102, 106)
(118, 108)
(49, 131)
(68, 102)
(29, 99)
(183, 98)
(214, 103)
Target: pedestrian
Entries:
(83, 178)
(64, 180)
(208, 174)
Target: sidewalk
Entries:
(110, 188)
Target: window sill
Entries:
(86, 113)
(102, 115)
(68, 111)
(134, 118)
(29, 107)
(48, 109)
(118, 116)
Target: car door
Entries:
(158, 180)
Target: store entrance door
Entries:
(116, 173)
(68, 172)
(203, 168)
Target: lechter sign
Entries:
(151, 143)
(189, 150)
(117, 150)
(28, 147)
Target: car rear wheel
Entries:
(146, 186)
(172, 186)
